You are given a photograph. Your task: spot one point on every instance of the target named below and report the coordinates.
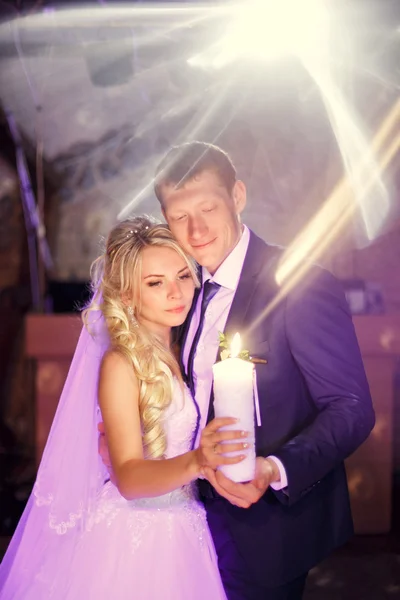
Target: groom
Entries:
(315, 403)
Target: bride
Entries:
(143, 536)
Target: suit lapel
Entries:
(257, 257)
(238, 315)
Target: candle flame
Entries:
(236, 345)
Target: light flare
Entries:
(266, 30)
(330, 221)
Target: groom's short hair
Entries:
(183, 163)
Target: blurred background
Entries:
(303, 94)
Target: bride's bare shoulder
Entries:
(113, 356)
(116, 366)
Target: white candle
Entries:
(233, 397)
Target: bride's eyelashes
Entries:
(186, 275)
(157, 283)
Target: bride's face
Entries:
(166, 289)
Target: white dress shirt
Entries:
(216, 315)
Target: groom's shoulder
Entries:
(280, 264)
(271, 254)
(260, 243)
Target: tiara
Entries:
(133, 232)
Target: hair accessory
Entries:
(131, 232)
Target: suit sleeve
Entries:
(323, 343)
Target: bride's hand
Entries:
(214, 443)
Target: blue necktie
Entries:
(209, 290)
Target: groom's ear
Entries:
(239, 194)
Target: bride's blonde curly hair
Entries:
(115, 276)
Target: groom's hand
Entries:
(244, 494)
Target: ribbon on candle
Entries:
(256, 398)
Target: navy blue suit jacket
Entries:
(316, 410)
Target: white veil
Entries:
(68, 481)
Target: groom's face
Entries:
(204, 217)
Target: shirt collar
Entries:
(228, 273)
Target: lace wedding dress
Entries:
(146, 549)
